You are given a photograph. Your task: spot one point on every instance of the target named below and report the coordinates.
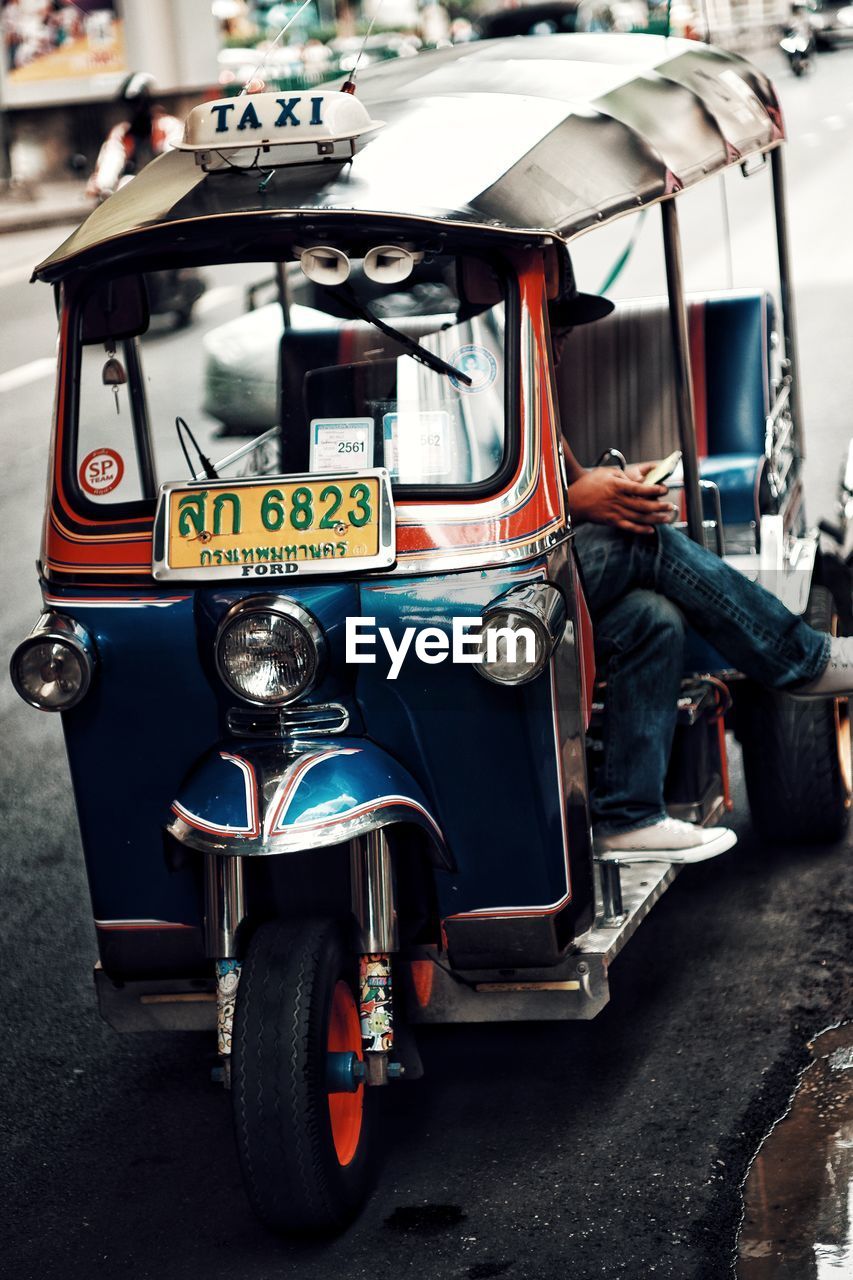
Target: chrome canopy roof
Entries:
(532, 135)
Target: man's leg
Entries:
(640, 643)
(749, 626)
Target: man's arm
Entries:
(608, 495)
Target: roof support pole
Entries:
(681, 368)
(789, 319)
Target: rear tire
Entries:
(305, 1154)
(796, 756)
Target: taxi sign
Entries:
(276, 526)
(276, 128)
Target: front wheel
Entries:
(305, 1153)
(796, 755)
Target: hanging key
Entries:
(114, 376)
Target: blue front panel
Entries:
(149, 714)
(484, 755)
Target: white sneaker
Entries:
(669, 840)
(836, 679)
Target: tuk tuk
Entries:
(330, 698)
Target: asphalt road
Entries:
(610, 1149)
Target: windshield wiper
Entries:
(419, 353)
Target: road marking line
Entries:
(27, 373)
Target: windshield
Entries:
(346, 376)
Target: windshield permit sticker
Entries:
(417, 444)
(100, 472)
(341, 444)
(480, 366)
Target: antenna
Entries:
(349, 85)
(262, 63)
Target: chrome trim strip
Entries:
(113, 602)
(275, 784)
(141, 924)
(298, 839)
(313, 720)
(492, 557)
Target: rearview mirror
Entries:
(479, 283)
(115, 309)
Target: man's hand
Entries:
(608, 495)
(639, 470)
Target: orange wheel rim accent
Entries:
(841, 707)
(843, 739)
(345, 1109)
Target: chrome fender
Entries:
(263, 799)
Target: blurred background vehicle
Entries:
(147, 132)
(529, 20)
(831, 21)
(798, 42)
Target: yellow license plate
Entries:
(275, 526)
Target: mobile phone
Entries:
(662, 469)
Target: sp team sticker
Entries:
(480, 366)
(100, 472)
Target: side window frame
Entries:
(127, 350)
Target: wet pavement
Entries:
(798, 1196)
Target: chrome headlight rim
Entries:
(543, 609)
(59, 629)
(284, 607)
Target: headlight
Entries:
(519, 634)
(269, 650)
(52, 668)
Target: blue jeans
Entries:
(641, 591)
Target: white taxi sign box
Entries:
(268, 129)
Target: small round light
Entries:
(325, 265)
(269, 653)
(52, 668)
(514, 647)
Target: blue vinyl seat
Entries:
(616, 389)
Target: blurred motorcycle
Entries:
(798, 42)
(128, 147)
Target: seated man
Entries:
(642, 580)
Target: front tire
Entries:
(796, 756)
(305, 1154)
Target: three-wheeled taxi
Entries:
(329, 692)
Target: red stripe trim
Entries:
(253, 828)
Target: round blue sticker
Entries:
(480, 366)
